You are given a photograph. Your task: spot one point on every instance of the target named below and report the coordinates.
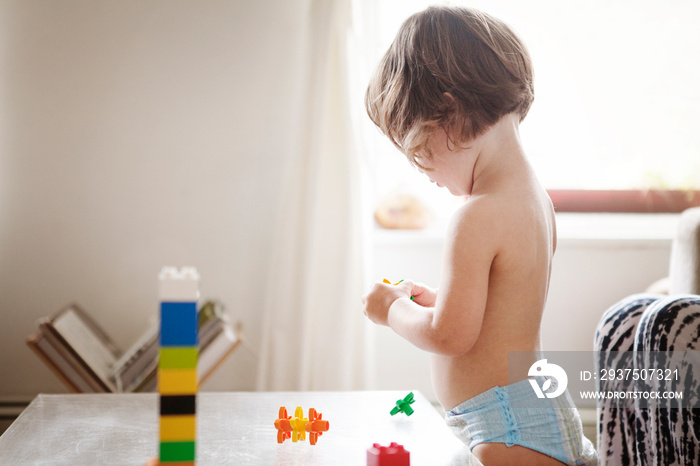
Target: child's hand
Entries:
(380, 298)
(423, 295)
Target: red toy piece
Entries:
(393, 455)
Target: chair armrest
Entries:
(685, 254)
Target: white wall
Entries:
(600, 260)
(137, 134)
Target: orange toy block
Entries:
(316, 426)
(296, 427)
(283, 425)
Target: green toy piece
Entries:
(404, 405)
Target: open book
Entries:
(85, 359)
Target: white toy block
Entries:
(178, 285)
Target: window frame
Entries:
(624, 201)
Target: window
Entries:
(617, 104)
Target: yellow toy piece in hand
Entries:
(387, 281)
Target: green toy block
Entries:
(404, 405)
(178, 357)
(177, 451)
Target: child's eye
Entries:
(419, 165)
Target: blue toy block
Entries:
(178, 324)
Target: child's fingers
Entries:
(419, 289)
(423, 295)
(406, 285)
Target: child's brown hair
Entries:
(475, 58)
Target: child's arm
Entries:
(453, 324)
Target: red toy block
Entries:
(393, 455)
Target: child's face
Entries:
(447, 164)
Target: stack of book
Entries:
(86, 360)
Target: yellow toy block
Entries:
(177, 428)
(177, 381)
(298, 423)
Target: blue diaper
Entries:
(515, 416)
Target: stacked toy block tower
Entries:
(177, 364)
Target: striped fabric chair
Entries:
(668, 327)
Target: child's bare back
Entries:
(496, 270)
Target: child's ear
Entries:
(448, 125)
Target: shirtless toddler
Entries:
(450, 93)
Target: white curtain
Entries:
(313, 335)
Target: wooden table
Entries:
(232, 428)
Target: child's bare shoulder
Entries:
(479, 222)
(494, 219)
(488, 211)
